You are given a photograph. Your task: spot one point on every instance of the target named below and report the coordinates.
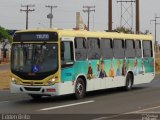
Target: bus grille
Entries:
(35, 83)
(32, 89)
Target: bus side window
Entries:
(80, 49)
(130, 49)
(118, 48)
(138, 49)
(106, 48)
(67, 52)
(93, 48)
(147, 49)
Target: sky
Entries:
(64, 16)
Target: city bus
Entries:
(59, 62)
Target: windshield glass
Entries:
(34, 58)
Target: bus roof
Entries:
(93, 34)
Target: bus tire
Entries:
(129, 82)
(35, 96)
(80, 89)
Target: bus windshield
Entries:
(34, 59)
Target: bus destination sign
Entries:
(42, 36)
(35, 36)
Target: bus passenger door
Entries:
(67, 61)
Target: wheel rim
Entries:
(129, 83)
(79, 88)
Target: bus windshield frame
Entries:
(33, 58)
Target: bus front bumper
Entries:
(41, 90)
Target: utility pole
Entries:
(155, 21)
(109, 15)
(27, 10)
(137, 17)
(50, 16)
(88, 9)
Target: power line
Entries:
(50, 16)
(27, 10)
(88, 9)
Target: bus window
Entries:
(147, 49)
(106, 48)
(67, 53)
(118, 48)
(21, 55)
(130, 49)
(80, 49)
(138, 49)
(15, 60)
(93, 48)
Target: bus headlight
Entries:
(13, 80)
(51, 81)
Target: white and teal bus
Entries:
(59, 62)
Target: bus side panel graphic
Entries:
(107, 68)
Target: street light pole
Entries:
(50, 16)
(155, 20)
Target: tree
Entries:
(123, 30)
(5, 38)
(147, 32)
(127, 30)
(4, 35)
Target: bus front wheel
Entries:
(80, 89)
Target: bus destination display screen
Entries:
(35, 36)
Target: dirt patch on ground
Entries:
(5, 80)
(157, 63)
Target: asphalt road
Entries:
(99, 105)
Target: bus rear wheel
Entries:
(80, 89)
(129, 82)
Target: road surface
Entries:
(99, 105)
